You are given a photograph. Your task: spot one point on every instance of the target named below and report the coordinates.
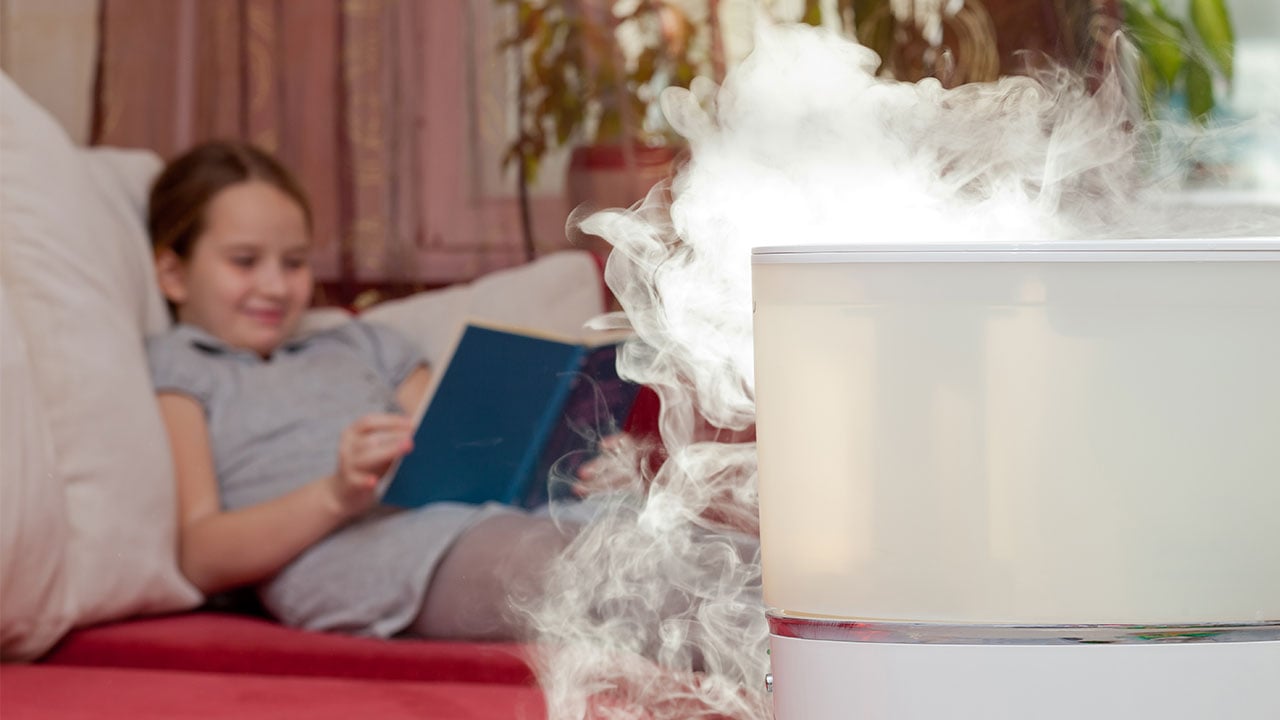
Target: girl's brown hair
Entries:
(182, 192)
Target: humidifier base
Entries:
(821, 679)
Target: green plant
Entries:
(1181, 59)
(591, 71)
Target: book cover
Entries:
(497, 414)
(599, 404)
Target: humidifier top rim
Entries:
(1201, 249)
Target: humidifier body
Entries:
(1006, 474)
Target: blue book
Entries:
(502, 414)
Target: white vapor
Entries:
(801, 145)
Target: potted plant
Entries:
(590, 73)
(1180, 61)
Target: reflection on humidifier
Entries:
(1021, 480)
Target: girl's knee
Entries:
(501, 557)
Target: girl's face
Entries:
(248, 280)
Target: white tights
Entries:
(500, 557)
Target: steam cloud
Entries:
(802, 145)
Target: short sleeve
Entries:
(177, 367)
(392, 355)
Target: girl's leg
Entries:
(501, 556)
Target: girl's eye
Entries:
(243, 261)
(296, 263)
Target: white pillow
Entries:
(432, 318)
(556, 293)
(123, 179)
(77, 273)
(34, 600)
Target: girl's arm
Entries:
(221, 549)
(413, 389)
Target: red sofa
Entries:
(216, 665)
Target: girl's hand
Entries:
(365, 453)
(611, 469)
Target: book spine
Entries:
(533, 453)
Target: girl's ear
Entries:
(171, 274)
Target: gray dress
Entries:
(274, 426)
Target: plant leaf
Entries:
(1150, 84)
(875, 30)
(1199, 83)
(812, 13)
(1213, 25)
(683, 74)
(610, 129)
(646, 64)
(568, 117)
(530, 168)
(1160, 38)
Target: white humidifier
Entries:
(1014, 481)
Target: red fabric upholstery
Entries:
(221, 643)
(36, 692)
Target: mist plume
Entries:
(802, 145)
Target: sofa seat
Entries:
(39, 692)
(218, 665)
(238, 644)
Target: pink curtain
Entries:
(371, 102)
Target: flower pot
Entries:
(602, 176)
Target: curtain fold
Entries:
(367, 100)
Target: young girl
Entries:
(279, 439)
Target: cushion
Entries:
(556, 294)
(78, 277)
(123, 180)
(33, 513)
